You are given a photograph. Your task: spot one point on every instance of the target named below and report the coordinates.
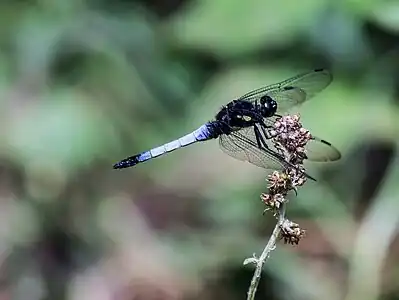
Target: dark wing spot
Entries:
(319, 70)
(325, 142)
(287, 88)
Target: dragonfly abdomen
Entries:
(203, 133)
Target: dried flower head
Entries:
(291, 232)
(272, 201)
(278, 181)
(289, 139)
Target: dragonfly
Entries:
(243, 125)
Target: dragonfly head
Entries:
(268, 106)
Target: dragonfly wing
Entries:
(317, 149)
(287, 98)
(321, 151)
(309, 83)
(243, 146)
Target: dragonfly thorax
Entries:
(238, 114)
(267, 107)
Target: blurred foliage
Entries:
(86, 83)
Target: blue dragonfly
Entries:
(243, 125)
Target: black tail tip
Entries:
(123, 164)
(126, 163)
(118, 165)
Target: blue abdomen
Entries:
(203, 133)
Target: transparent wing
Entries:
(317, 149)
(243, 146)
(293, 91)
(321, 151)
(287, 98)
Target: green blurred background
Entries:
(87, 83)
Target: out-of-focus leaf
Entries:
(297, 279)
(234, 208)
(340, 35)
(65, 130)
(387, 14)
(231, 27)
(376, 234)
(359, 7)
(19, 224)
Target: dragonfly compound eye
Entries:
(268, 106)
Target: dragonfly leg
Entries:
(258, 138)
(283, 161)
(261, 142)
(267, 133)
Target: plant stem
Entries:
(270, 246)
